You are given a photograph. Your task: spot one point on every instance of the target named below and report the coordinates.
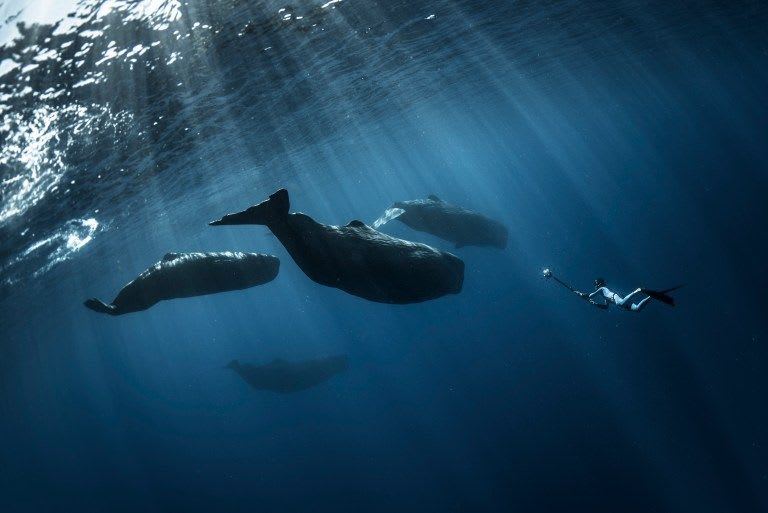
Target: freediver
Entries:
(610, 297)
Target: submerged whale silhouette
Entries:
(356, 258)
(287, 377)
(190, 274)
(455, 224)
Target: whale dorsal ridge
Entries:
(434, 198)
(355, 224)
(170, 256)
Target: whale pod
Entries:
(180, 275)
(356, 258)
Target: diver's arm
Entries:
(603, 305)
(598, 291)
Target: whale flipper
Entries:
(389, 214)
(99, 306)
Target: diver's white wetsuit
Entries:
(612, 297)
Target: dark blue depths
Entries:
(625, 141)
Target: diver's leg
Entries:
(636, 307)
(621, 301)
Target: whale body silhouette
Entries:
(356, 258)
(180, 275)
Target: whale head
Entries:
(497, 235)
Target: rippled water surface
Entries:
(625, 139)
(119, 97)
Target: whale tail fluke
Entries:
(265, 213)
(270, 210)
(279, 203)
(99, 306)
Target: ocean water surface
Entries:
(622, 139)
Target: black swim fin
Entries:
(662, 295)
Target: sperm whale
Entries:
(180, 275)
(455, 224)
(356, 258)
(286, 377)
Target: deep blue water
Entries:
(618, 139)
